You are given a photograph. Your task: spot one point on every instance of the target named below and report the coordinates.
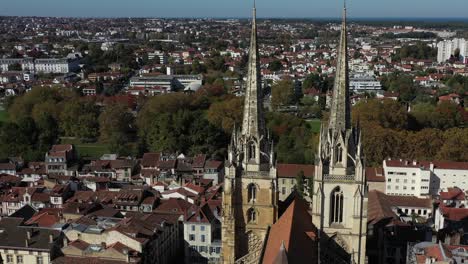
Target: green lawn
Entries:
(3, 116)
(314, 125)
(87, 150)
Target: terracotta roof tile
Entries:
(292, 170)
(296, 230)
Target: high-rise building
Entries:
(448, 48)
(250, 198)
(340, 197)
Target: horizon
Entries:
(420, 9)
(349, 18)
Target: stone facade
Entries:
(250, 186)
(340, 198)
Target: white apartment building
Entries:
(446, 48)
(423, 178)
(170, 82)
(162, 57)
(406, 178)
(202, 235)
(365, 83)
(60, 65)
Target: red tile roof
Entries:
(292, 170)
(454, 214)
(150, 159)
(453, 194)
(375, 174)
(296, 230)
(43, 219)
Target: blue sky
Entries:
(236, 8)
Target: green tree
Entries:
(282, 93)
(447, 115)
(114, 120)
(455, 145)
(80, 119)
(300, 184)
(15, 67)
(423, 114)
(275, 65)
(226, 113)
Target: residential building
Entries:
(154, 237)
(161, 57)
(202, 235)
(168, 82)
(365, 84)
(8, 168)
(428, 252)
(446, 49)
(23, 244)
(375, 179)
(287, 177)
(58, 159)
(391, 226)
(406, 178)
(422, 178)
(42, 65)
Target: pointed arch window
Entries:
(251, 151)
(252, 192)
(339, 154)
(252, 215)
(336, 206)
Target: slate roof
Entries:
(14, 236)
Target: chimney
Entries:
(65, 242)
(51, 238)
(415, 162)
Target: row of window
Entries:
(192, 238)
(389, 187)
(413, 211)
(400, 173)
(19, 259)
(283, 190)
(202, 228)
(404, 181)
(206, 249)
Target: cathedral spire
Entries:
(252, 123)
(340, 108)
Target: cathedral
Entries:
(339, 203)
(332, 228)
